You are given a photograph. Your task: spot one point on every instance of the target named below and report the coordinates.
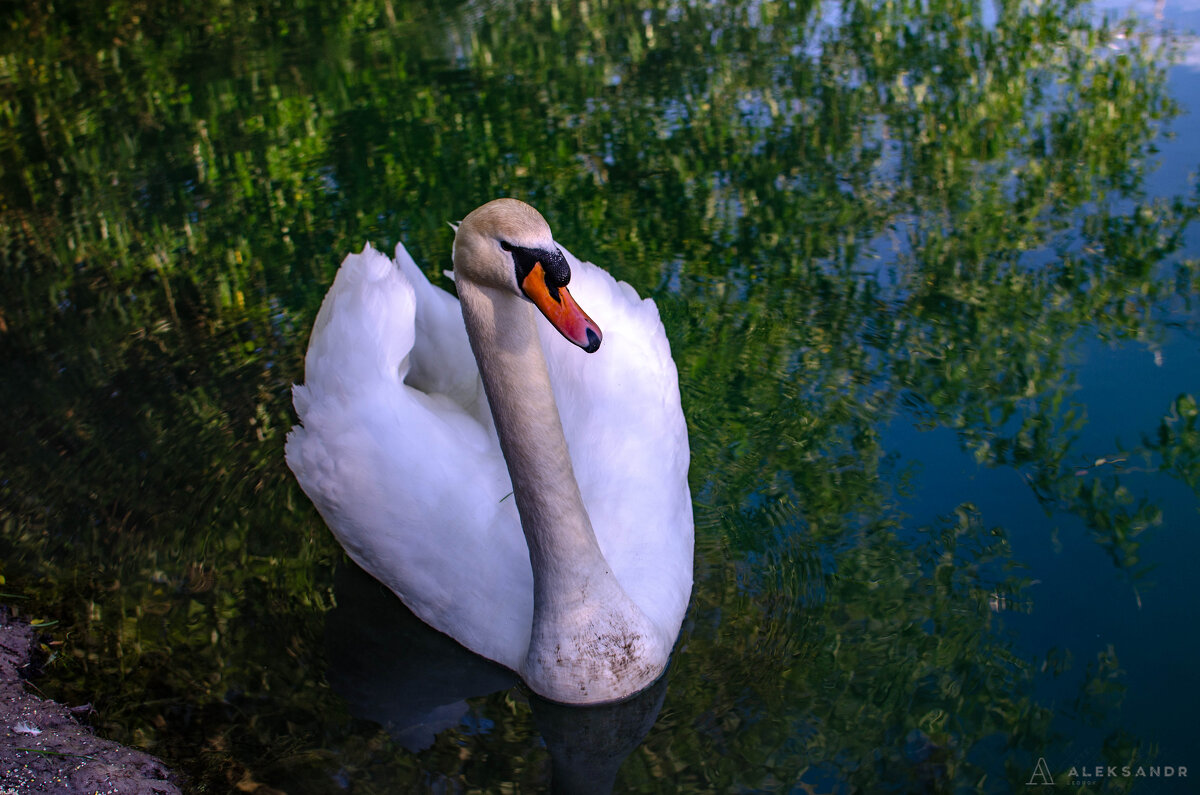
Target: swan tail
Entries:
(441, 361)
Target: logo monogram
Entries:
(1041, 774)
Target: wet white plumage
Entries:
(398, 450)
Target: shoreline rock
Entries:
(44, 749)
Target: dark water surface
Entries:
(930, 274)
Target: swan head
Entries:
(507, 245)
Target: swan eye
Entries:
(504, 244)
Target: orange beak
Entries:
(561, 310)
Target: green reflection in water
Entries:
(844, 210)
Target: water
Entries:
(929, 275)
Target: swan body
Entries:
(521, 486)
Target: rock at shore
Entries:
(44, 749)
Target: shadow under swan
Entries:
(415, 682)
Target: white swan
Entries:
(429, 491)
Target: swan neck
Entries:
(589, 642)
(504, 338)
